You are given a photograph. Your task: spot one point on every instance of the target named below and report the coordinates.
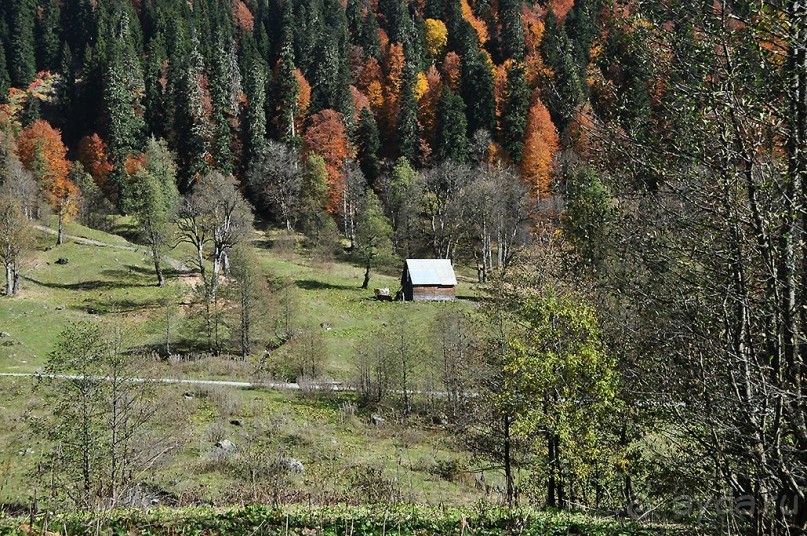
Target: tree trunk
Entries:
(508, 465)
(9, 280)
(551, 482)
(59, 235)
(159, 270)
(366, 281)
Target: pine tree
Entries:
(451, 142)
(47, 36)
(123, 115)
(369, 143)
(331, 79)
(78, 25)
(156, 95)
(21, 53)
(287, 91)
(511, 36)
(191, 124)
(408, 128)
(514, 115)
(255, 87)
(477, 89)
(5, 78)
(559, 57)
(369, 36)
(224, 112)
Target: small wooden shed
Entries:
(428, 280)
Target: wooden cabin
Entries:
(428, 280)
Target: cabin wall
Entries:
(433, 293)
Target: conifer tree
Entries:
(559, 56)
(5, 78)
(287, 91)
(514, 115)
(21, 54)
(156, 98)
(452, 141)
(477, 90)
(224, 110)
(255, 87)
(123, 115)
(191, 124)
(511, 36)
(369, 143)
(369, 36)
(408, 128)
(47, 36)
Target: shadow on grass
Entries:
(90, 285)
(312, 284)
(149, 272)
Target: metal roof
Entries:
(431, 272)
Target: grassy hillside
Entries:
(345, 457)
(113, 284)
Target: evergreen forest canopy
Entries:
(633, 174)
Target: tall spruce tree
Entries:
(451, 141)
(369, 142)
(287, 90)
(48, 30)
(478, 92)
(224, 112)
(559, 55)
(5, 78)
(21, 53)
(156, 97)
(123, 113)
(408, 127)
(511, 36)
(514, 115)
(191, 125)
(255, 87)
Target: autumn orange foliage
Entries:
(326, 136)
(369, 82)
(540, 145)
(42, 152)
(303, 93)
(243, 16)
(134, 162)
(92, 153)
(477, 24)
(394, 63)
(360, 102)
(561, 7)
(451, 70)
(427, 105)
(536, 71)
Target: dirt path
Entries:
(177, 265)
(284, 386)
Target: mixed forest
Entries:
(625, 181)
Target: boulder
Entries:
(61, 260)
(290, 465)
(224, 448)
